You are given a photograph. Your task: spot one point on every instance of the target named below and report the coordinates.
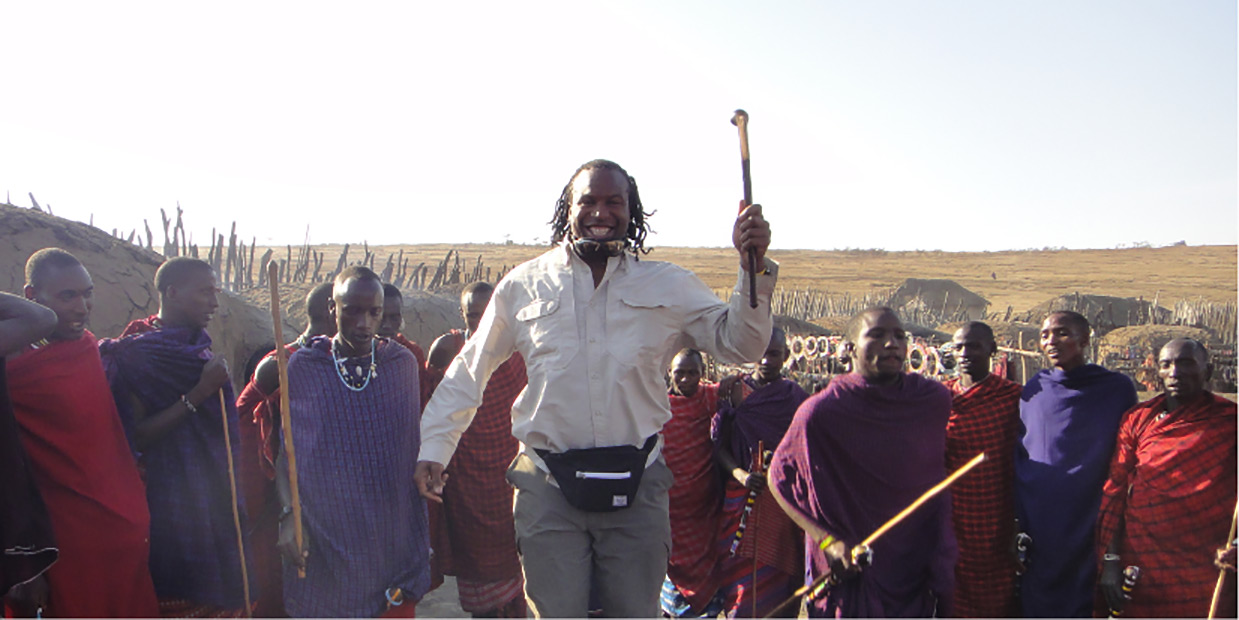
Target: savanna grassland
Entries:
(1020, 279)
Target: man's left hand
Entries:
(1225, 559)
(29, 599)
(1111, 584)
(751, 231)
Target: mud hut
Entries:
(1104, 312)
(935, 297)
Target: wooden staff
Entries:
(1221, 574)
(281, 359)
(741, 120)
(863, 550)
(236, 513)
(758, 466)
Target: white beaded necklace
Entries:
(342, 372)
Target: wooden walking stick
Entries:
(758, 463)
(1221, 575)
(236, 513)
(741, 120)
(281, 359)
(862, 554)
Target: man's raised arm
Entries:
(22, 322)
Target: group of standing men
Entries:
(137, 470)
(551, 468)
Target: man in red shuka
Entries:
(80, 458)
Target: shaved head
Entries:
(1074, 319)
(177, 271)
(44, 260)
(316, 302)
(860, 321)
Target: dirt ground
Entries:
(1020, 279)
(442, 602)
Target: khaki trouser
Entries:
(563, 549)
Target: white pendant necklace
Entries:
(354, 381)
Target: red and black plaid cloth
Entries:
(984, 418)
(696, 497)
(477, 500)
(1172, 484)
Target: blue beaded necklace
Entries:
(354, 381)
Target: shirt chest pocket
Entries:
(548, 333)
(642, 328)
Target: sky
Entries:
(902, 125)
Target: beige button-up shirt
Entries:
(596, 357)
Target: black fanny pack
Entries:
(599, 479)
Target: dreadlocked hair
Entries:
(637, 226)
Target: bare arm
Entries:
(811, 529)
(22, 322)
(729, 466)
(287, 541)
(267, 375)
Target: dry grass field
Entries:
(1020, 279)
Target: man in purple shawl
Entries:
(857, 453)
(1069, 418)
(355, 417)
(753, 410)
(167, 387)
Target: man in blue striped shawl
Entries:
(167, 385)
(355, 415)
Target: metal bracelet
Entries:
(188, 405)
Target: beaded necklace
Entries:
(354, 381)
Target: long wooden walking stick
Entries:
(1221, 575)
(741, 120)
(863, 549)
(281, 359)
(758, 462)
(236, 513)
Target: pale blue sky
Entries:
(965, 125)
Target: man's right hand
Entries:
(751, 480)
(1111, 584)
(729, 390)
(287, 544)
(430, 479)
(214, 376)
(841, 566)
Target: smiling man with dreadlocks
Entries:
(597, 328)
